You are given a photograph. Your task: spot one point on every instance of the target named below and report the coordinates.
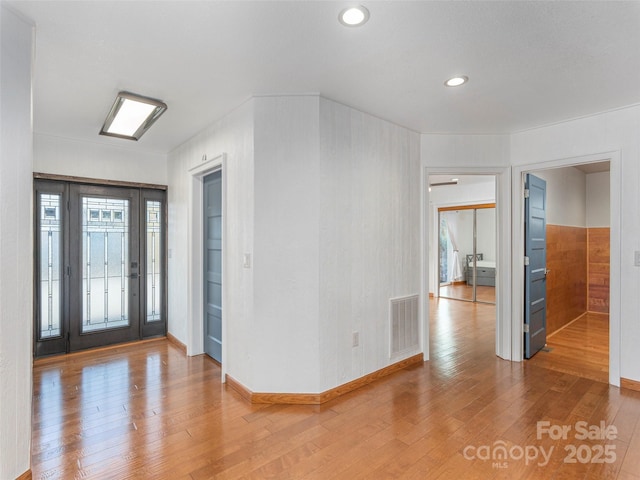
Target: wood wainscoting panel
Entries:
(598, 250)
(567, 278)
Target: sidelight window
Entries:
(50, 269)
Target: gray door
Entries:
(535, 235)
(213, 265)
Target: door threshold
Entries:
(92, 351)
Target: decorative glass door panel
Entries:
(152, 277)
(50, 256)
(104, 266)
(154, 260)
(105, 263)
(50, 279)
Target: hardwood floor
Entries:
(149, 412)
(581, 348)
(463, 291)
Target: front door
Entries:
(105, 266)
(213, 265)
(535, 234)
(100, 275)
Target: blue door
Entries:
(535, 285)
(213, 265)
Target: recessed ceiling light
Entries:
(456, 81)
(454, 180)
(131, 115)
(354, 16)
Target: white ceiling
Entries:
(596, 167)
(529, 63)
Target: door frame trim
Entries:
(97, 181)
(615, 259)
(195, 315)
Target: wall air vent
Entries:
(405, 331)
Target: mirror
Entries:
(467, 253)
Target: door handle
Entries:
(133, 276)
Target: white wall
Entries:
(449, 153)
(326, 199)
(284, 337)
(616, 132)
(598, 200)
(16, 240)
(575, 198)
(486, 233)
(232, 135)
(70, 157)
(369, 236)
(566, 196)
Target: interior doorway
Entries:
(197, 260)
(463, 193)
(578, 261)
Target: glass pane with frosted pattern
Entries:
(154, 260)
(50, 265)
(105, 258)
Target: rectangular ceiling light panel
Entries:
(131, 115)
